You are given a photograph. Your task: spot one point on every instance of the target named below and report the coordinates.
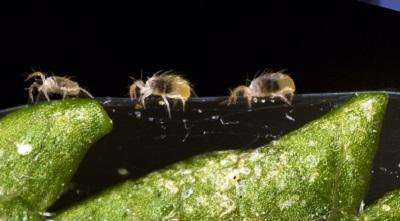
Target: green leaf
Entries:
(15, 209)
(41, 147)
(387, 208)
(318, 172)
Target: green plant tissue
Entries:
(318, 172)
(387, 208)
(41, 147)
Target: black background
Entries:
(326, 46)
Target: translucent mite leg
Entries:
(249, 100)
(132, 89)
(232, 99)
(38, 96)
(30, 90)
(64, 94)
(37, 74)
(235, 94)
(143, 102)
(285, 94)
(183, 103)
(289, 97)
(86, 92)
(167, 105)
(45, 94)
(289, 94)
(143, 97)
(282, 97)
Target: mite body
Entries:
(53, 85)
(267, 84)
(166, 84)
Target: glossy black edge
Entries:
(122, 101)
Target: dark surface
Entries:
(144, 141)
(326, 45)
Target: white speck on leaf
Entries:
(24, 149)
(47, 214)
(256, 155)
(367, 106)
(170, 185)
(312, 143)
(286, 204)
(275, 142)
(80, 116)
(385, 207)
(362, 205)
(188, 193)
(224, 162)
(257, 170)
(185, 172)
(245, 170)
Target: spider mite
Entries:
(267, 84)
(53, 85)
(166, 84)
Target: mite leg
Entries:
(289, 97)
(167, 105)
(289, 94)
(132, 89)
(142, 101)
(31, 89)
(282, 97)
(233, 97)
(249, 100)
(64, 94)
(285, 95)
(31, 95)
(45, 94)
(86, 92)
(38, 96)
(240, 91)
(143, 97)
(183, 103)
(37, 74)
